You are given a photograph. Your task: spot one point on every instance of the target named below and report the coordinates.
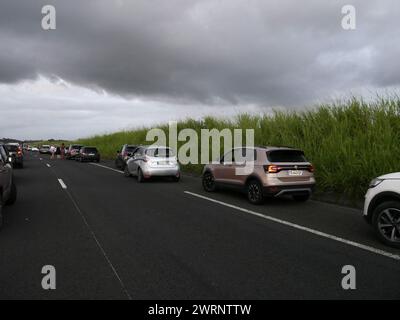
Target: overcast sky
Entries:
(118, 64)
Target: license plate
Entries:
(91, 154)
(163, 163)
(295, 173)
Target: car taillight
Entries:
(272, 168)
(124, 154)
(311, 168)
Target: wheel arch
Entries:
(381, 198)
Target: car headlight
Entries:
(375, 182)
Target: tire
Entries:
(140, 177)
(383, 226)
(302, 198)
(176, 179)
(208, 182)
(127, 173)
(13, 195)
(254, 192)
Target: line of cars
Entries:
(82, 153)
(8, 189)
(274, 172)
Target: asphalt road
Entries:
(110, 237)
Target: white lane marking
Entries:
(48, 166)
(63, 185)
(299, 227)
(103, 252)
(105, 167)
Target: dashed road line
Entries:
(299, 227)
(63, 185)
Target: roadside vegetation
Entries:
(348, 142)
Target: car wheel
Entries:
(209, 182)
(126, 172)
(386, 222)
(176, 178)
(302, 198)
(254, 192)
(140, 177)
(13, 195)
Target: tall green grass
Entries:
(349, 142)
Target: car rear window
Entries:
(11, 148)
(91, 150)
(160, 152)
(286, 156)
(76, 147)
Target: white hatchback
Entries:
(153, 161)
(382, 208)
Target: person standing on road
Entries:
(62, 151)
(53, 152)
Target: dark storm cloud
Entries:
(262, 52)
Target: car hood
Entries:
(394, 175)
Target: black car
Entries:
(15, 151)
(88, 154)
(124, 154)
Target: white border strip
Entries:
(299, 227)
(105, 167)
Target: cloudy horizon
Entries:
(113, 65)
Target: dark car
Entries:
(8, 190)
(72, 151)
(124, 154)
(88, 154)
(15, 151)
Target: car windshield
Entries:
(90, 150)
(160, 152)
(76, 147)
(286, 156)
(12, 148)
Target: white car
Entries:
(152, 161)
(382, 208)
(34, 149)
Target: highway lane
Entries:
(110, 237)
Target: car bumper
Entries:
(276, 191)
(89, 158)
(367, 201)
(161, 172)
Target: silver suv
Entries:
(152, 161)
(8, 191)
